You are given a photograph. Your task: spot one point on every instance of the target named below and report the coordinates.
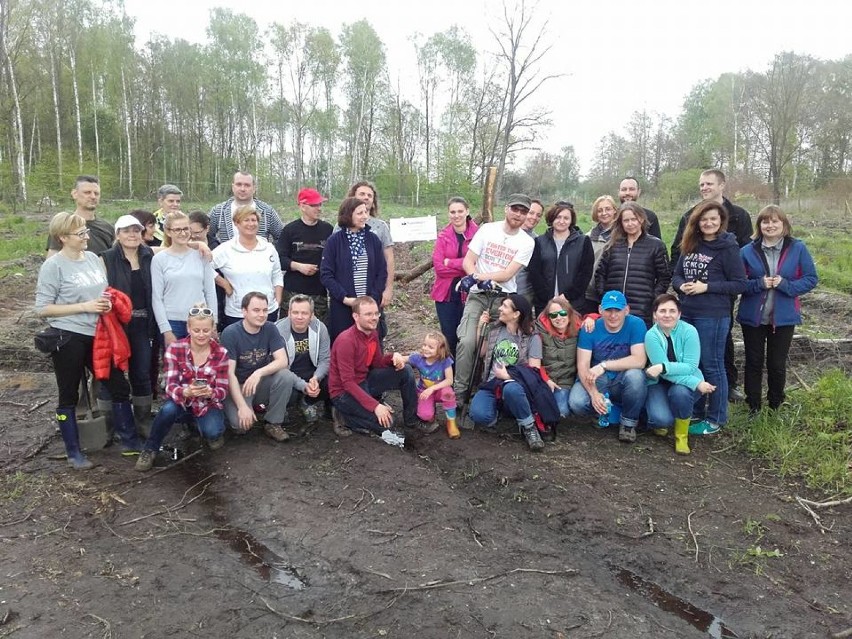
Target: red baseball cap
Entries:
(311, 197)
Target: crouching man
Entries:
(308, 351)
(360, 373)
(257, 370)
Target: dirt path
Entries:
(353, 538)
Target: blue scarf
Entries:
(357, 244)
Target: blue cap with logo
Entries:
(613, 299)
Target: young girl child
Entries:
(435, 366)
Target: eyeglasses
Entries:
(195, 311)
(554, 315)
(81, 233)
(519, 209)
(183, 229)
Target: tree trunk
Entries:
(20, 170)
(56, 117)
(127, 136)
(72, 57)
(97, 134)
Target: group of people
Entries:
(258, 319)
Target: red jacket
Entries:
(111, 347)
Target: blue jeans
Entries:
(627, 389)
(449, 317)
(713, 332)
(211, 425)
(667, 402)
(484, 408)
(561, 396)
(178, 328)
(380, 380)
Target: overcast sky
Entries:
(616, 56)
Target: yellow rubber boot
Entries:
(681, 434)
(452, 429)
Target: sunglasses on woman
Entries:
(555, 314)
(204, 312)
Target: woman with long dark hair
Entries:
(353, 265)
(634, 262)
(447, 258)
(709, 272)
(779, 269)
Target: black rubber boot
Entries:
(66, 418)
(125, 427)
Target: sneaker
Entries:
(216, 444)
(427, 428)
(276, 432)
(338, 424)
(661, 432)
(704, 427)
(735, 395)
(534, 440)
(146, 460)
(626, 434)
(310, 412)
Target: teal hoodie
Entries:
(687, 348)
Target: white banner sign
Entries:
(414, 229)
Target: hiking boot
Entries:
(533, 438)
(276, 432)
(216, 444)
(735, 395)
(427, 428)
(338, 424)
(626, 434)
(146, 460)
(704, 427)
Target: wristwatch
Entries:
(603, 365)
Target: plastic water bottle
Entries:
(603, 420)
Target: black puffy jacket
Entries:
(572, 270)
(641, 272)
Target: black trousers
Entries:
(772, 345)
(70, 363)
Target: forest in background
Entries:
(296, 104)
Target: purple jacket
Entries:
(447, 246)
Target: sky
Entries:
(613, 57)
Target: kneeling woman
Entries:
(70, 294)
(196, 378)
(557, 326)
(674, 379)
(512, 343)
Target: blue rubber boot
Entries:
(66, 418)
(125, 426)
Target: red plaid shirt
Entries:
(181, 371)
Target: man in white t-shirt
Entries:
(497, 252)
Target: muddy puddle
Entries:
(664, 600)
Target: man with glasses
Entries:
(222, 215)
(496, 253)
(629, 191)
(300, 248)
(87, 195)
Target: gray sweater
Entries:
(64, 281)
(178, 282)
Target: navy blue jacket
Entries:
(337, 275)
(798, 272)
(718, 264)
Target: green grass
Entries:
(810, 436)
(832, 254)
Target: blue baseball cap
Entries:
(613, 299)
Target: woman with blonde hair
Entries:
(196, 381)
(779, 270)
(248, 262)
(603, 214)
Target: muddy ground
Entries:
(321, 537)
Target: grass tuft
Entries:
(810, 436)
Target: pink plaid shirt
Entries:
(181, 371)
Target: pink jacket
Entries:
(447, 246)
